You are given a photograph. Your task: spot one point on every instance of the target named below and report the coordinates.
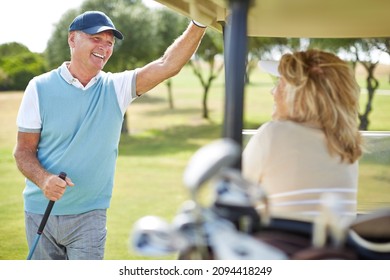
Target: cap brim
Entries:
(270, 66)
(98, 29)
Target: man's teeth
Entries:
(98, 55)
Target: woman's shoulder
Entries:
(286, 125)
(280, 125)
(286, 128)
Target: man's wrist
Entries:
(198, 24)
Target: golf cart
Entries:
(232, 228)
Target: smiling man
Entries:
(70, 120)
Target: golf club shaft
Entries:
(44, 221)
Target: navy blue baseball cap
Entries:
(93, 22)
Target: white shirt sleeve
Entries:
(125, 88)
(28, 118)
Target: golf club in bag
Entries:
(43, 222)
(238, 224)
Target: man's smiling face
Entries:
(92, 51)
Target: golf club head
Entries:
(238, 184)
(186, 224)
(208, 160)
(231, 192)
(152, 236)
(189, 222)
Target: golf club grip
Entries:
(48, 209)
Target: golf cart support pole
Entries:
(235, 64)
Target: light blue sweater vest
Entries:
(80, 135)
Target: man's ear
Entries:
(71, 39)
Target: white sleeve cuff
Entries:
(198, 24)
(28, 117)
(125, 88)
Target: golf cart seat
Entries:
(369, 234)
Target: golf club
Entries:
(220, 153)
(153, 236)
(43, 222)
(229, 244)
(204, 165)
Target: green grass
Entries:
(152, 158)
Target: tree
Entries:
(363, 52)
(18, 66)
(10, 49)
(135, 21)
(57, 50)
(169, 26)
(206, 57)
(359, 50)
(382, 44)
(131, 17)
(267, 48)
(5, 80)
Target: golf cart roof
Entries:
(296, 18)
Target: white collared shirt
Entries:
(67, 76)
(29, 119)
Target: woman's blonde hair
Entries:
(321, 89)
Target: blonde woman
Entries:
(312, 145)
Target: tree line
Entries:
(148, 32)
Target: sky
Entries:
(31, 22)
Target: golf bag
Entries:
(366, 238)
(233, 227)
